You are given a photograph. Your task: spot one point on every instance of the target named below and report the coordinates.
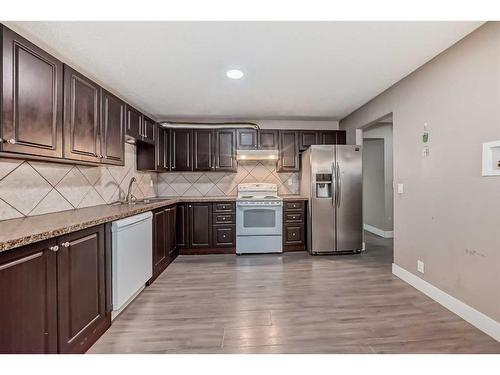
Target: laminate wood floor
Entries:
(291, 303)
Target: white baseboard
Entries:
(378, 232)
(486, 324)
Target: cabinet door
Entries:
(308, 138)
(203, 150)
(225, 150)
(289, 151)
(28, 317)
(148, 130)
(181, 150)
(181, 226)
(81, 117)
(161, 149)
(159, 241)
(32, 94)
(268, 139)
(200, 225)
(170, 230)
(81, 286)
(112, 129)
(328, 137)
(247, 139)
(134, 120)
(341, 137)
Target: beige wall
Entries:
(383, 219)
(449, 214)
(374, 184)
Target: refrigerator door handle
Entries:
(334, 185)
(339, 185)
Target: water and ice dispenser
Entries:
(323, 185)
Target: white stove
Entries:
(259, 212)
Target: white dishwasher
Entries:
(132, 263)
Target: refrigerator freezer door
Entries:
(322, 209)
(349, 214)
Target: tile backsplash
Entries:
(225, 184)
(30, 188)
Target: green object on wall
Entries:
(425, 137)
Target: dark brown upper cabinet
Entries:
(154, 157)
(28, 317)
(32, 93)
(268, 139)
(181, 146)
(225, 150)
(203, 150)
(81, 289)
(112, 129)
(341, 137)
(162, 157)
(134, 120)
(332, 137)
(148, 130)
(308, 138)
(246, 139)
(328, 137)
(81, 117)
(288, 151)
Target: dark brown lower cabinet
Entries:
(164, 239)
(294, 225)
(81, 289)
(181, 226)
(208, 227)
(28, 317)
(55, 294)
(200, 225)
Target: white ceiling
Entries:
(293, 69)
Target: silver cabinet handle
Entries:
(12, 141)
(65, 244)
(54, 248)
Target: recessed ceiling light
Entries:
(234, 74)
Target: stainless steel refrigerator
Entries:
(332, 177)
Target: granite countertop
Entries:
(20, 232)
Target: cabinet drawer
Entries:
(224, 236)
(223, 218)
(223, 207)
(294, 235)
(294, 205)
(294, 217)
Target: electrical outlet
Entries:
(290, 182)
(401, 189)
(420, 266)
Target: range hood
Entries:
(257, 154)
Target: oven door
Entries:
(253, 219)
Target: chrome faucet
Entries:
(130, 197)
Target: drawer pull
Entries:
(54, 248)
(65, 244)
